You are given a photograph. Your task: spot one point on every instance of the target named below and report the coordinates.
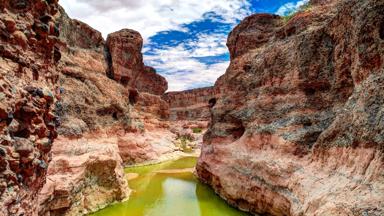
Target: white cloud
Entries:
(209, 45)
(151, 16)
(290, 7)
(202, 75)
(180, 66)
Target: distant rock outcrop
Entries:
(126, 63)
(298, 128)
(191, 104)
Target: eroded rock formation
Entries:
(106, 123)
(85, 175)
(86, 172)
(28, 76)
(191, 104)
(126, 63)
(299, 130)
(150, 82)
(126, 60)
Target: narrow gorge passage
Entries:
(169, 188)
(292, 125)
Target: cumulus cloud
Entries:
(151, 16)
(290, 7)
(185, 40)
(183, 60)
(182, 64)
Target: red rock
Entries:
(25, 60)
(150, 82)
(253, 32)
(126, 61)
(9, 23)
(95, 106)
(82, 161)
(298, 130)
(78, 34)
(191, 104)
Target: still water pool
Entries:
(169, 189)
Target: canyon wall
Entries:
(86, 172)
(299, 130)
(112, 114)
(191, 104)
(29, 57)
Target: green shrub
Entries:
(197, 130)
(303, 8)
(184, 143)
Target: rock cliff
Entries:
(86, 172)
(29, 56)
(106, 123)
(191, 104)
(126, 63)
(299, 130)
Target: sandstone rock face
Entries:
(86, 172)
(299, 130)
(90, 100)
(253, 32)
(101, 118)
(150, 82)
(85, 175)
(78, 34)
(191, 104)
(126, 63)
(126, 60)
(28, 77)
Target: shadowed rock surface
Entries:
(299, 130)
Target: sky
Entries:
(184, 40)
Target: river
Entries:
(169, 189)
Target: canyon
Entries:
(294, 127)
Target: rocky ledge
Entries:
(300, 128)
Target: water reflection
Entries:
(169, 194)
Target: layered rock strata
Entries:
(86, 172)
(105, 122)
(299, 130)
(29, 55)
(191, 104)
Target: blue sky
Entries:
(184, 40)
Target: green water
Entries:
(175, 194)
